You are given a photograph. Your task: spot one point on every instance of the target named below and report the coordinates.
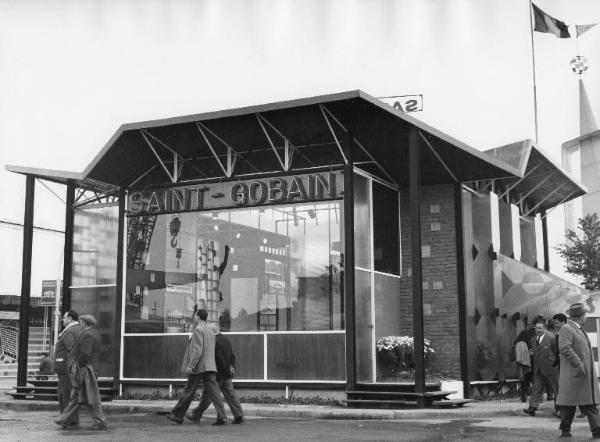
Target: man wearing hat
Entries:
(83, 360)
(577, 384)
(66, 339)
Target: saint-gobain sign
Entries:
(258, 192)
(405, 103)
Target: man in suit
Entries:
(225, 359)
(199, 365)
(71, 331)
(525, 336)
(545, 354)
(82, 369)
(577, 383)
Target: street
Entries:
(38, 425)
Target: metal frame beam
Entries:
(359, 144)
(516, 183)
(232, 154)
(424, 138)
(537, 186)
(174, 176)
(68, 248)
(288, 147)
(542, 200)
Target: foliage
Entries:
(264, 399)
(400, 350)
(582, 251)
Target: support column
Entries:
(545, 241)
(414, 162)
(68, 249)
(349, 265)
(461, 291)
(24, 310)
(119, 290)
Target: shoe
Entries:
(523, 398)
(565, 434)
(193, 417)
(556, 414)
(71, 426)
(239, 420)
(174, 418)
(220, 422)
(99, 427)
(529, 411)
(580, 415)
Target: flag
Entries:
(545, 23)
(580, 29)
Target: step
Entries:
(46, 396)
(373, 403)
(450, 403)
(396, 386)
(393, 394)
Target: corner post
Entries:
(119, 289)
(414, 160)
(461, 292)
(25, 309)
(68, 248)
(545, 241)
(349, 264)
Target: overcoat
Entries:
(545, 355)
(200, 352)
(63, 345)
(577, 383)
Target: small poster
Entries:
(273, 267)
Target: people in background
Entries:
(45, 368)
(526, 375)
(225, 360)
(199, 365)
(545, 354)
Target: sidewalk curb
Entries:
(470, 411)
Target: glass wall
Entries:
(260, 269)
(94, 277)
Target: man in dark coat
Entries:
(578, 382)
(545, 353)
(225, 359)
(525, 336)
(83, 361)
(71, 331)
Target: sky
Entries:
(73, 71)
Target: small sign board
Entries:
(405, 103)
(49, 291)
(9, 315)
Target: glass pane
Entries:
(307, 357)
(275, 268)
(364, 336)
(95, 233)
(386, 229)
(391, 310)
(362, 240)
(100, 302)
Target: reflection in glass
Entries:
(275, 268)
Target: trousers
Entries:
(64, 394)
(209, 379)
(539, 385)
(567, 413)
(72, 408)
(230, 395)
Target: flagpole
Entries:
(535, 111)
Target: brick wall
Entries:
(440, 293)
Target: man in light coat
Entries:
(578, 385)
(545, 354)
(67, 337)
(199, 365)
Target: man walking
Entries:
(578, 385)
(199, 365)
(83, 361)
(225, 359)
(71, 331)
(545, 354)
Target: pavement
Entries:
(473, 410)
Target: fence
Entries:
(9, 341)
